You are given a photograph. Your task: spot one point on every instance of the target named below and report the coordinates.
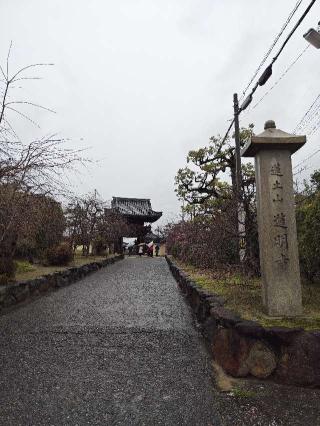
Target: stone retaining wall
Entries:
(18, 292)
(245, 348)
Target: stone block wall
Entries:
(245, 348)
(18, 292)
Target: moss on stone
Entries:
(26, 271)
(243, 296)
(243, 393)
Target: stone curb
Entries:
(16, 293)
(246, 348)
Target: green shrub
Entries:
(24, 266)
(308, 224)
(59, 255)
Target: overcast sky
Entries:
(141, 82)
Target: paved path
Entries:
(117, 348)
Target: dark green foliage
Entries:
(59, 255)
(7, 269)
(27, 249)
(7, 264)
(308, 225)
(99, 245)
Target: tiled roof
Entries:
(135, 207)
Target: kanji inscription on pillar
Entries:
(280, 240)
(281, 287)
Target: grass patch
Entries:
(243, 393)
(28, 271)
(23, 266)
(243, 295)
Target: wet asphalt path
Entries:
(117, 348)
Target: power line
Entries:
(316, 126)
(271, 47)
(306, 159)
(312, 112)
(310, 121)
(294, 29)
(281, 77)
(312, 116)
(304, 169)
(268, 71)
(299, 125)
(227, 132)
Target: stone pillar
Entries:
(279, 260)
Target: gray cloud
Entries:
(142, 82)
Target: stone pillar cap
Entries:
(270, 124)
(272, 139)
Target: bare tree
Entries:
(112, 227)
(35, 167)
(83, 218)
(91, 222)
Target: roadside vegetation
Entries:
(205, 241)
(242, 294)
(27, 271)
(41, 221)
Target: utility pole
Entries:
(240, 209)
(237, 140)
